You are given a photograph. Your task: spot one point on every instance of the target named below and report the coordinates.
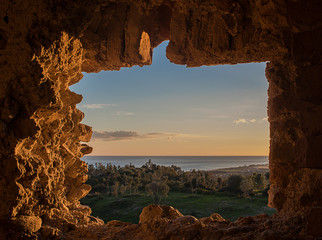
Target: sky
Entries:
(171, 110)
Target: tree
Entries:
(246, 186)
(100, 167)
(234, 183)
(115, 189)
(267, 176)
(122, 189)
(157, 190)
(258, 180)
(91, 169)
(219, 182)
(190, 178)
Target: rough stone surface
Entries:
(152, 212)
(294, 110)
(44, 47)
(164, 226)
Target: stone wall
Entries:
(45, 45)
(294, 111)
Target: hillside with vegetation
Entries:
(121, 192)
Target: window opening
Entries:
(192, 138)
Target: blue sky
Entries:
(168, 109)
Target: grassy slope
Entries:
(128, 208)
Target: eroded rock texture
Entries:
(164, 222)
(44, 46)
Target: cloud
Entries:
(253, 120)
(129, 135)
(123, 135)
(97, 105)
(264, 119)
(121, 113)
(114, 135)
(240, 120)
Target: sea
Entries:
(186, 163)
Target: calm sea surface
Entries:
(185, 162)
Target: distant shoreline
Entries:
(242, 170)
(186, 163)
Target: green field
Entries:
(128, 208)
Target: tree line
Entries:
(157, 181)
